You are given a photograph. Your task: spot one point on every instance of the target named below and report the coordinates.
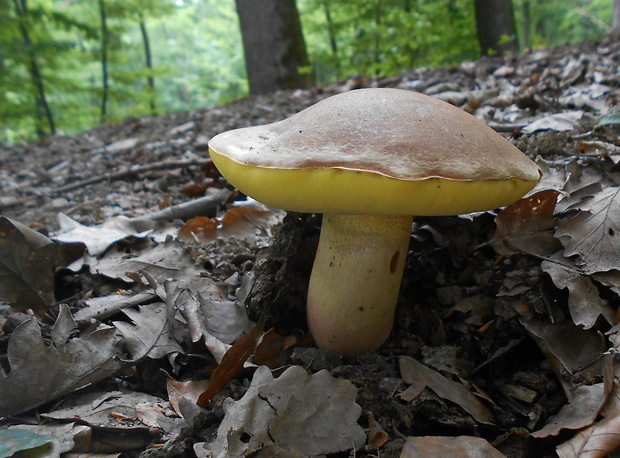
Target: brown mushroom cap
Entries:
(376, 151)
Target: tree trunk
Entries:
(275, 52)
(42, 108)
(615, 19)
(150, 80)
(331, 31)
(104, 60)
(495, 23)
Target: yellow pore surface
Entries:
(347, 191)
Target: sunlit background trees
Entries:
(67, 65)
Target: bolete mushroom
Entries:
(370, 160)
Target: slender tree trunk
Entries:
(525, 27)
(495, 23)
(150, 80)
(331, 31)
(42, 108)
(377, 50)
(275, 52)
(615, 19)
(104, 61)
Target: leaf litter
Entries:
(511, 327)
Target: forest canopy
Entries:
(66, 66)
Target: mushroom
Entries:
(370, 160)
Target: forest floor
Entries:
(504, 339)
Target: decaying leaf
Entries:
(242, 221)
(62, 438)
(584, 301)
(190, 390)
(558, 342)
(152, 331)
(231, 364)
(526, 226)
(119, 410)
(419, 377)
(13, 441)
(295, 414)
(27, 263)
(582, 410)
(601, 438)
(97, 239)
(162, 261)
(437, 446)
(593, 235)
(40, 372)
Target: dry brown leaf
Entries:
(584, 407)
(599, 439)
(377, 437)
(200, 229)
(420, 377)
(294, 415)
(190, 390)
(41, 372)
(231, 364)
(584, 302)
(441, 446)
(593, 235)
(526, 226)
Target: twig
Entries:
(129, 171)
(186, 210)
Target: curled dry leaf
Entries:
(294, 415)
(231, 364)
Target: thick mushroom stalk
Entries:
(355, 281)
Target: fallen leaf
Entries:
(593, 235)
(15, 440)
(231, 364)
(581, 411)
(420, 377)
(294, 415)
(377, 437)
(190, 390)
(442, 446)
(63, 438)
(601, 438)
(27, 263)
(123, 410)
(584, 301)
(152, 331)
(97, 239)
(526, 226)
(40, 372)
(558, 342)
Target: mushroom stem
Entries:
(355, 281)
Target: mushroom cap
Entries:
(376, 151)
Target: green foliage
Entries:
(198, 54)
(555, 22)
(385, 37)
